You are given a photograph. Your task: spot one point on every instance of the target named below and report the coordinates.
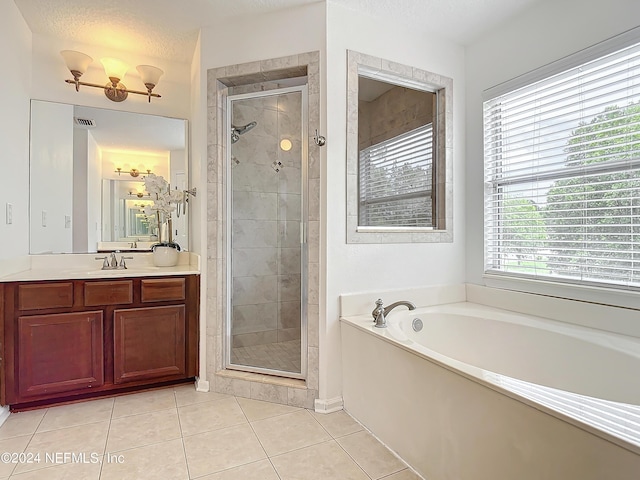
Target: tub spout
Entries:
(380, 312)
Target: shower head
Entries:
(237, 131)
(246, 128)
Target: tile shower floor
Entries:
(180, 434)
(283, 356)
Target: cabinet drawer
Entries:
(117, 292)
(45, 295)
(161, 289)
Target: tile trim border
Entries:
(215, 263)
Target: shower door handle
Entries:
(303, 233)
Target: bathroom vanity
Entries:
(64, 340)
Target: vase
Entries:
(165, 252)
(164, 231)
(165, 255)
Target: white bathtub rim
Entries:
(587, 362)
(364, 323)
(622, 343)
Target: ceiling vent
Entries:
(84, 122)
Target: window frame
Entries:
(418, 79)
(593, 291)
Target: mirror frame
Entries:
(360, 64)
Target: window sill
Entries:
(382, 235)
(377, 229)
(612, 296)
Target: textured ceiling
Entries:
(458, 20)
(169, 28)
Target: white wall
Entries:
(197, 148)
(353, 268)
(51, 177)
(94, 197)
(80, 187)
(178, 180)
(247, 39)
(87, 192)
(14, 125)
(34, 69)
(50, 71)
(546, 32)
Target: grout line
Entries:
(106, 440)
(259, 441)
(353, 459)
(399, 471)
(27, 444)
(182, 437)
(331, 439)
(143, 446)
(184, 448)
(366, 430)
(302, 448)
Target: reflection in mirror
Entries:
(399, 155)
(87, 171)
(396, 151)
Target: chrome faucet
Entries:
(111, 262)
(380, 312)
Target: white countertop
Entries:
(85, 266)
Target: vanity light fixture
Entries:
(139, 194)
(77, 63)
(142, 205)
(134, 172)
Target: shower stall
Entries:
(266, 162)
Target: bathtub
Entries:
(466, 391)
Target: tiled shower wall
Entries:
(266, 215)
(393, 113)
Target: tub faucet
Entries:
(380, 312)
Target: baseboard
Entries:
(202, 385)
(4, 414)
(328, 405)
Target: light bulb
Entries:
(114, 68)
(285, 144)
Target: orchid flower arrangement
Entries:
(164, 200)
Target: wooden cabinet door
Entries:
(59, 353)
(148, 343)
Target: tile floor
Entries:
(283, 356)
(178, 433)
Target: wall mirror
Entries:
(87, 168)
(399, 155)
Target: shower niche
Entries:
(266, 162)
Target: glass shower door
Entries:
(267, 271)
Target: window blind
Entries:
(562, 175)
(396, 178)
